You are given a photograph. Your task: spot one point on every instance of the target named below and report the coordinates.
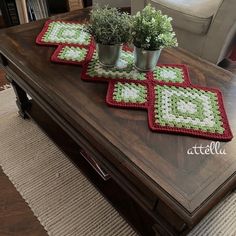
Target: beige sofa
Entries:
(207, 28)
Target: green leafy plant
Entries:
(109, 26)
(152, 30)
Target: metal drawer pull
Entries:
(105, 176)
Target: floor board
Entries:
(2, 79)
(16, 218)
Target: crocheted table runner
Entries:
(174, 105)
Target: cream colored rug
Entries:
(63, 200)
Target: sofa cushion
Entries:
(191, 15)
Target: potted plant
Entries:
(151, 32)
(110, 28)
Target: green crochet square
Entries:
(168, 74)
(130, 93)
(65, 32)
(188, 108)
(70, 53)
(123, 70)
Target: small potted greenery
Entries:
(110, 28)
(151, 32)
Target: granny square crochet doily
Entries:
(190, 110)
(173, 104)
(124, 70)
(62, 32)
(128, 94)
(70, 54)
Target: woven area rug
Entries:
(63, 200)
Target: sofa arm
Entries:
(137, 5)
(222, 32)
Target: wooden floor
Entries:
(16, 218)
(2, 79)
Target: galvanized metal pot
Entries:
(108, 55)
(145, 60)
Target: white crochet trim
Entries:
(129, 93)
(188, 107)
(167, 74)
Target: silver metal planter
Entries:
(108, 55)
(145, 60)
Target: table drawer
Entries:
(124, 178)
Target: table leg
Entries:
(22, 100)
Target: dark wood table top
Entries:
(187, 183)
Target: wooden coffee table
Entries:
(175, 189)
